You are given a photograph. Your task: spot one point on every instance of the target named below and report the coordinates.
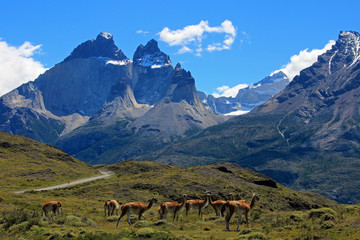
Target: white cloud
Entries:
(17, 66)
(303, 60)
(190, 38)
(184, 49)
(142, 32)
(226, 91)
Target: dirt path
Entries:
(104, 174)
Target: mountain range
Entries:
(247, 98)
(102, 107)
(306, 137)
(97, 94)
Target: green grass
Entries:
(27, 164)
(280, 213)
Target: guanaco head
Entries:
(59, 204)
(153, 199)
(120, 203)
(232, 196)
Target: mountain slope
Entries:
(26, 164)
(305, 137)
(97, 97)
(180, 110)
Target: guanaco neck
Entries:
(207, 200)
(183, 202)
(252, 203)
(210, 200)
(149, 205)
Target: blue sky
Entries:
(222, 43)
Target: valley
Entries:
(143, 120)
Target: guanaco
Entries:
(111, 206)
(218, 205)
(53, 206)
(239, 207)
(135, 208)
(197, 204)
(172, 207)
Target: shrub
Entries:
(20, 216)
(76, 221)
(325, 217)
(150, 233)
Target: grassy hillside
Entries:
(253, 140)
(27, 164)
(280, 213)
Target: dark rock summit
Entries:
(102, 46)
(151, 56)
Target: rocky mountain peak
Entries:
(274, 78)
(178, 67)
(151, 56)
(349, 45)
(104, 36)
(183, 86)
(102, 46)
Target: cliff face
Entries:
(97, 93)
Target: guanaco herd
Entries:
(239, 207)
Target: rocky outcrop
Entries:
(179, 111)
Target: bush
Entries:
(325, 217)
(76, 221)
(252, 235)
(20, 216)
(123, 234)
(150, 233)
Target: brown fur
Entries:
(217, 205)
(239, 207)
(172, 207)
(136, 208)
(111, 206)
(197, 204)
(53, 206)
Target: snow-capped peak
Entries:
(106, 35)
(151, 56)
(351, 41)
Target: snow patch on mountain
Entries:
(236, 113)
(119, 62)
(156, 60)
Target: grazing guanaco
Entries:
(172, 207)
(239, 207)
(111, 206)
(53, 206)
(197, 204)
(106, 207)
(135, 208)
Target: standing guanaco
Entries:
(239, 207)
(135, 208)
(197, 204)
(172, 207)
(217, 205)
